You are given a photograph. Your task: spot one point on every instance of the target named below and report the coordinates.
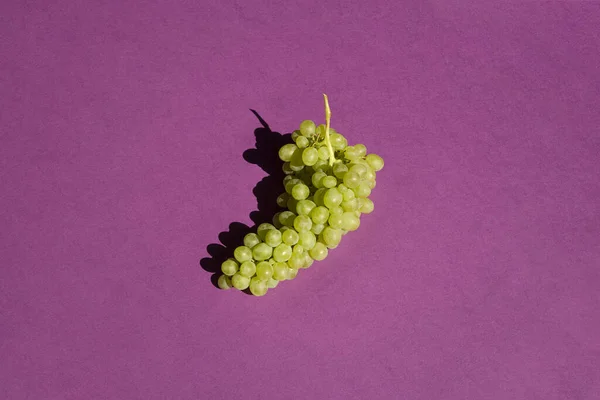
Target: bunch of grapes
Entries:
(327, 188)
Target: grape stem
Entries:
(327, 125)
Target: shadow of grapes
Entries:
(264, 155)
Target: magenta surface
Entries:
(122, 129)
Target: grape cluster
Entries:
(327, 188)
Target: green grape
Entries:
(240, 281)
(331, 236)
(292, 273)
(367, 206)
(264, 270)
(329, 182)
(224, 282)
(339, 170)
(287, 178)
(320, 131)
(350, 205)
(283, 198)
(273, 237)
(242, 253)
(297, 249)
(310, 155)
(348, 195)
(275, 220)
(282, 253)
(287, 151)
(350, 221)
(338, 142)
(287, 218)
(262, 251)
(307, 128)
(302, 142)
(258, 287)
(372, 184)
(292, 203)
(320, 165)
(323, 153)
(280, 271)
(307, 240)
(351, 179)
(369, 175)
(308, 261)
(272, 283)
(350, 153)
(361, 149)
(289, 185)
(229, 267)
(300, 191)
(287, 168)
(263, 229)
(316, 179)
(296, 261)
(335, 221)
(317, 228)
(295, 135)
(251, 240)
(304, 207)
(302, 223)
(363, 190)
(375, 161)
(318, 252)
(248, 268)
(336, 210)
(332, 198)
(358, 169)
(319, 215)
(290, 237)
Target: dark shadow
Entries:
(266, 156)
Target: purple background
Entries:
(122, 133)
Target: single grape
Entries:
(349, 195)
(296, 261)
(258, 287)
(304, 207)
(292, 273)
(335, 221)
(350, 205)
(361, 149)
(307, 128)
(263, 228)
(282, 253)
(302, 143)
(337, 141)
(331, 236)
(286, 151)
(289, 185)
(287, 168)
(307, 240)
(262, 251)
(369, 175)
(351, 179)
(290, 237)
(275, 220)
(248, 268)
(339, 170)
(280, 271)
(297, 249)
(323, 153)
(317, 228)
(329, 182)
(310, 155)
(295, 135)
(318, 252)
(319, 215)
(242, 253)
(317, 178)
(350, 221)
(251, 240)
(282, 199)
(320, 165)
(300, 191)
(367, 206)
(240, 281)
(336, 210)
(375, 161)
(308, 261)
(363, 190)
(332, 198)
(292, 203)
(358, 169)
(287, 218)
(264, 270)
(302, 223)
(273, 237)
(350, 153)
(320, 130)
(318, 196)
(272, 283)
(224, 282)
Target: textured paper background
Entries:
(123, 128)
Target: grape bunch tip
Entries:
(327, 189)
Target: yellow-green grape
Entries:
(319, 215)
(248, 268)
(287, 218)
(258, 287)
(264, 270)
(363, 190)
(307, 239)
(338, 142)
(282, 199)
(375, 161)
(318, 252)
(350, 221)
(332, 198)
(358, 169)
(316, 179)
(296, 261)
(290, 237)
(287, 151)
(350, 205)
(307, 128)
(302, 223)
(262, 251)
(320, 165)
(361, 149)
(292, 273)
(331, 236)
(272, 283)
(369, 175)
(304, 207)
(275, 220)
(292, 203)
(296, 163)
(323, 153)
(240, 281)
(280, 271)
(262, 229)
(295, 135)
(372, 184)
(282, 253)
(339, 170)
(317, 228)
(336, 210)
(350, 153)
(308, 261)
(320, 131)
(229, 267)
(329, 182)
(335, 221)
(367, 206)
(251, 240)
(297, 249)
(351, 179)
(242, 253)
(273, 237)
(302, 142)
(300, 191)
(224, 282)
(349, 195)
(318, 196)
(310, 155)
(289, 185)
(287, 168)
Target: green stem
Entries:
(327, 125)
